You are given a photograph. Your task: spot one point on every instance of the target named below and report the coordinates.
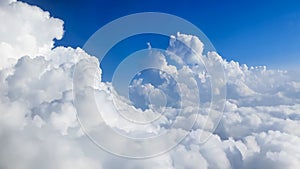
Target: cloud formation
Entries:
(39, 128)
(28, 30)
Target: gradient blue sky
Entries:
(252, 32)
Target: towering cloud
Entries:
(26, 30)
(39, 127)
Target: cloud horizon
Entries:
(39, 126)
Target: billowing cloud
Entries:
(27, 30)
(39, 126)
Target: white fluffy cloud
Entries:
(27, 30)
(39, 127)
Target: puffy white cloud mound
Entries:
(26, 30)
(39, 127)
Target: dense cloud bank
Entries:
(39, 128)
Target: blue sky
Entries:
(251, 32)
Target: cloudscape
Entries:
(240, 117)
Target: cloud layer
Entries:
(39, 127)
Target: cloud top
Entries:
(39, 126)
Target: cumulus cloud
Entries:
(39, 126)
(28, 30)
